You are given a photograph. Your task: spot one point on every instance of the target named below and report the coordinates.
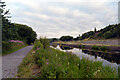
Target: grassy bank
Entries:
(81, 42)
(46, 62)
(10, 47)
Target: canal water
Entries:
(80, 54)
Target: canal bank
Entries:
(106, 59)
(111, 45)
(109, 52)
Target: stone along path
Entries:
(10, 62)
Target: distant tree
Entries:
(66, 38)
(78, 38)
(87, 35)
(54, 39)
(111, 31)
(95, 30)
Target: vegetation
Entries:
(54, 40)
(65, 47)
(66, 38)
(51, 63)
(109, 32)
(101, 48)
(13, 31)
(9, 47)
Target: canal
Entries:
(108, 60)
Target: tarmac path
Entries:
(10, 62)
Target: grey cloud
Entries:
(52, 20)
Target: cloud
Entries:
(58, 10)
(54, 18)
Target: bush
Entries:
(37, 45)
(45, 42)
(83, 46)
(103, 48)
(95, 47)
(5, 46)
(8, 47)
(79, 46)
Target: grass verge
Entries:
(12, 50)
(10, 47)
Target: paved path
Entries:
(10, 62)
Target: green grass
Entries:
(26, 68)
(12, 50)
(52, 63)
(10, 47)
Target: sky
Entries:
(56, 18)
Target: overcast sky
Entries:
(55, 18)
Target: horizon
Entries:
(53, 19)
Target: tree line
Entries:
(109, 32)
(15, 31)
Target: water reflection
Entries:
(65, 47)
(95, 56)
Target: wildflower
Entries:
(16, 41)
(98, 70)
(47, 63)
(46, 59)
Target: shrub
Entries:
(37, 45)
(83, 46)
(95, 47)
(45, 42)
(5, 46)
(103, 48)
(79, 46)
(54, 45)
(8, 47)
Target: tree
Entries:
(13, 31)
(26, 33)
(78, 38)
(66, 38)
(87, 35)
(54, 39)
(95, 30)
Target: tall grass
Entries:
(53, 63)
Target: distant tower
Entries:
(95, 30)
(118, 12)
